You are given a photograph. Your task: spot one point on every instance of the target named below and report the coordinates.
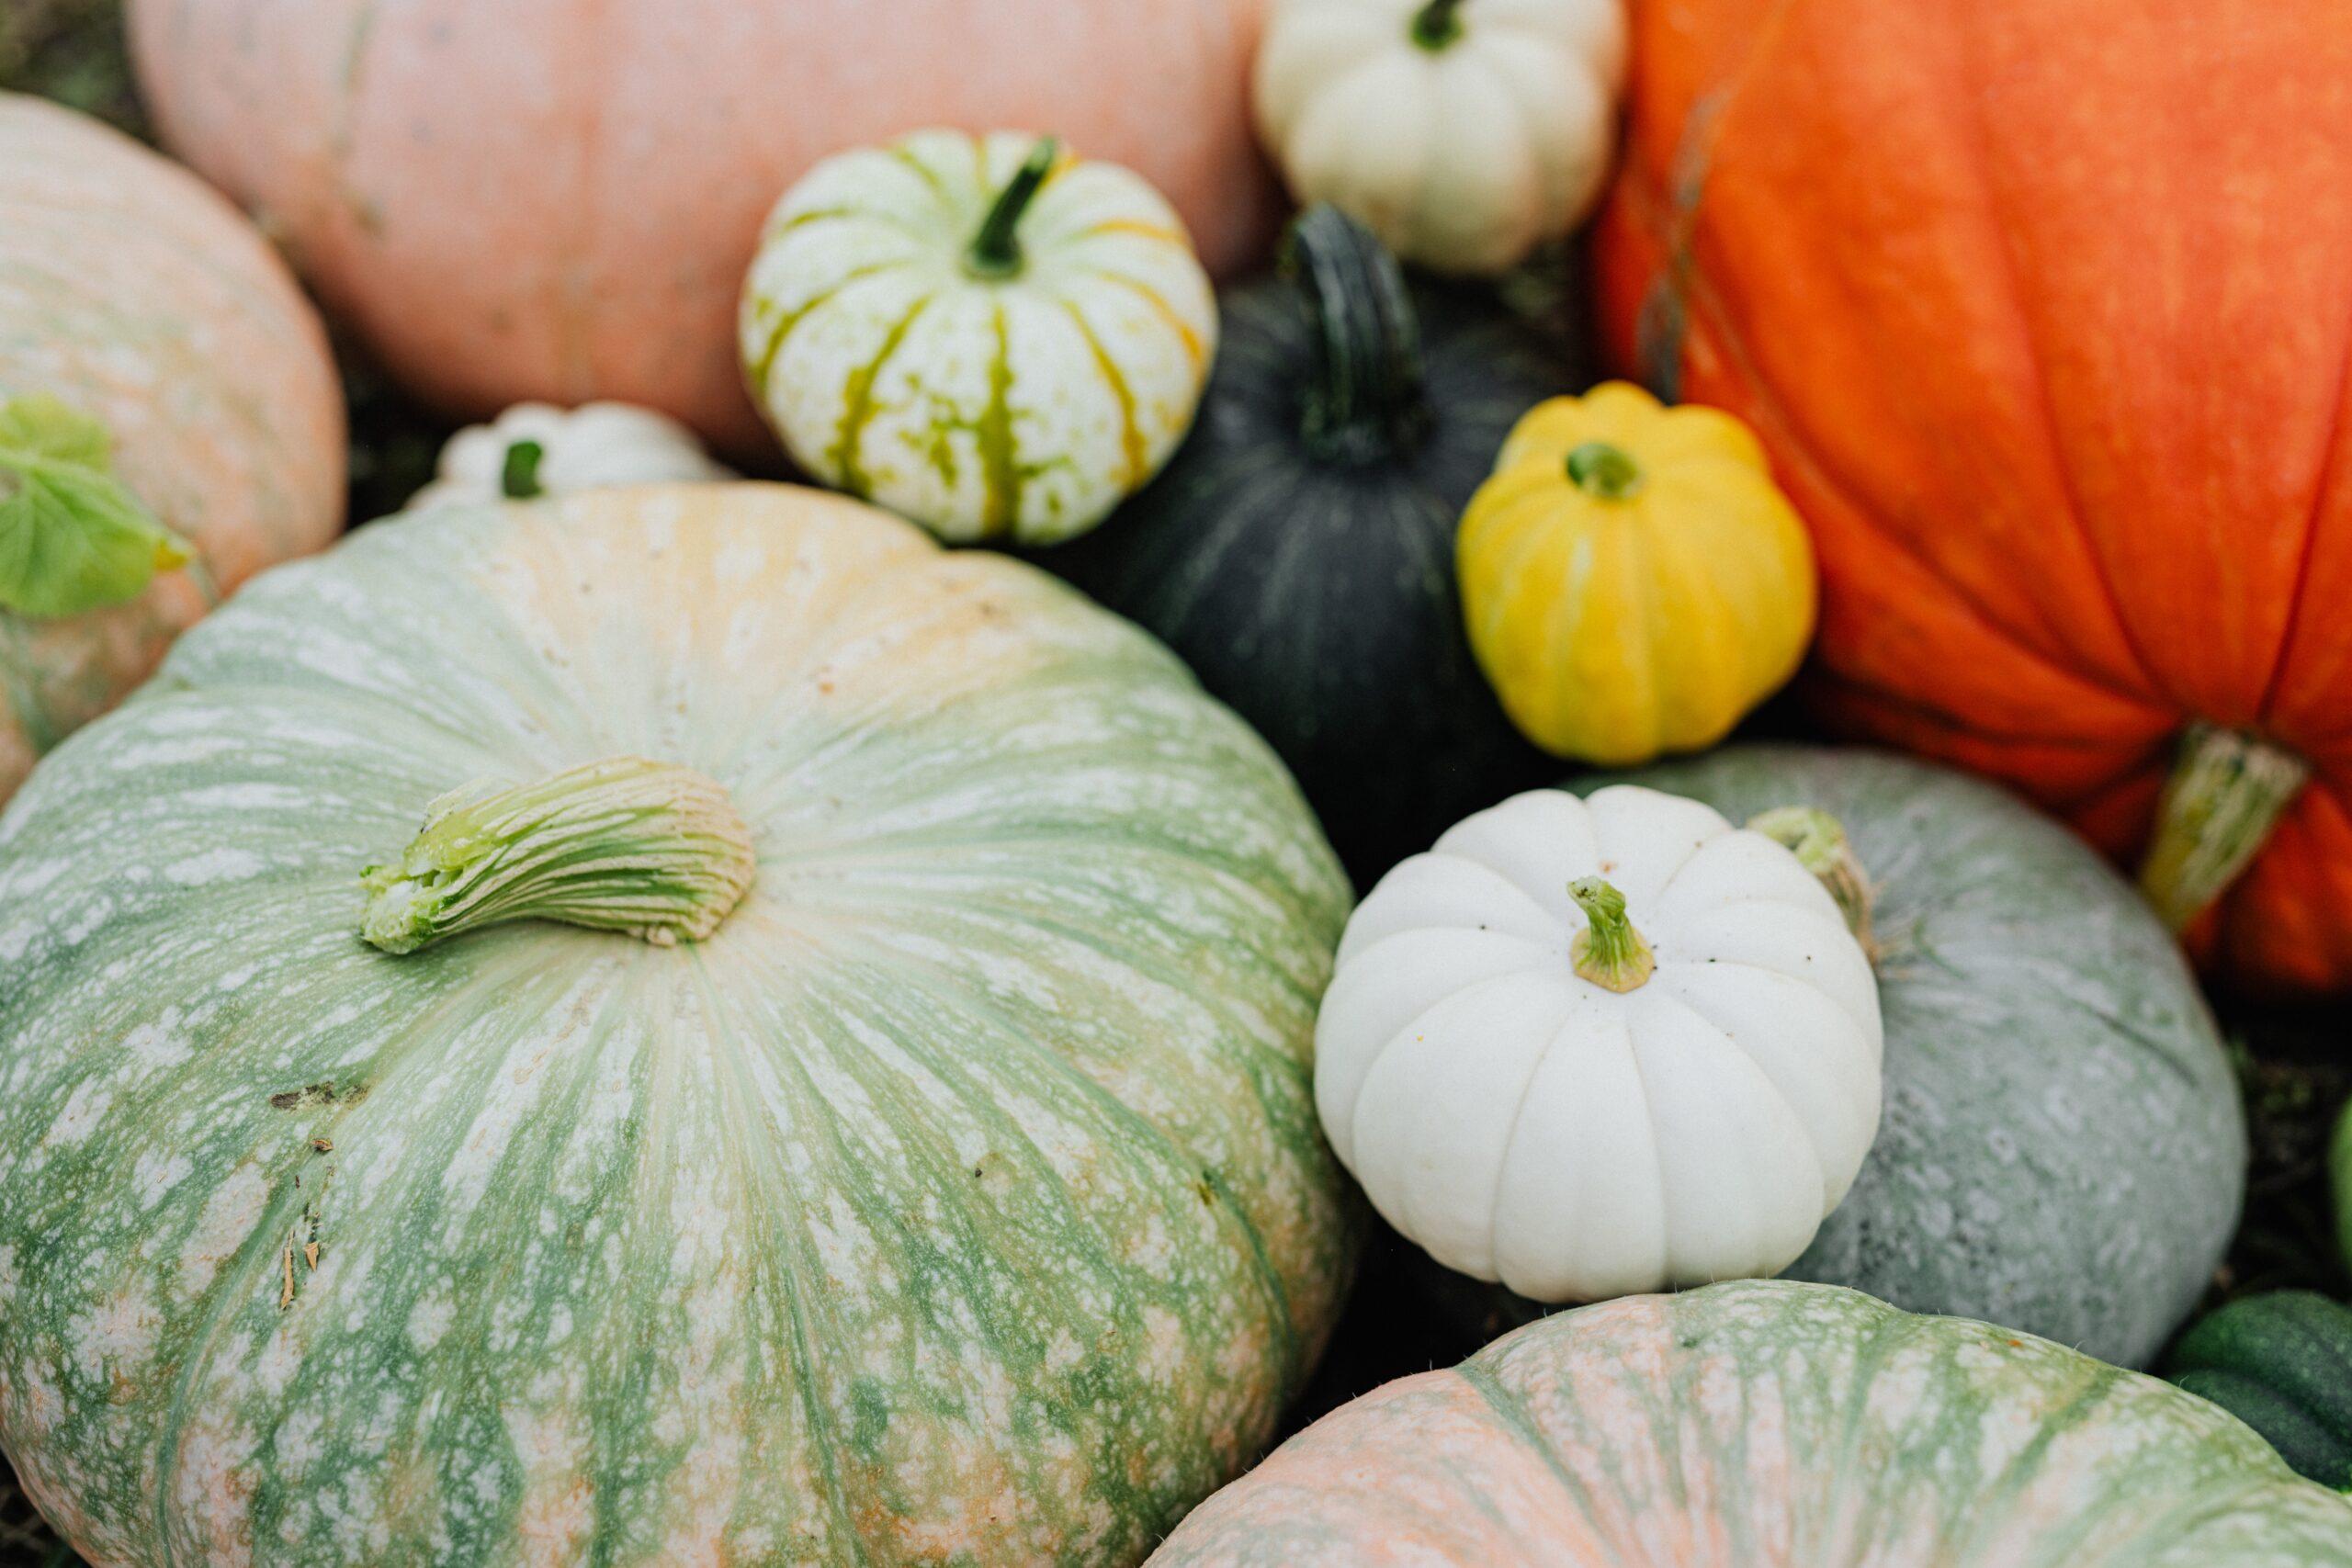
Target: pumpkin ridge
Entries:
(2013, 290)
(1514, 1414)
(285, 1199)
(2332, 457)
(1131, 441)
(857, 404)
(790, 319)
(1194, 349)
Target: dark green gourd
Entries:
(2062, 1150)
(1298, 552)
(2282, 1364)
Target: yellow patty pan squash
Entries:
(1633, 580)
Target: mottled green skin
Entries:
(1769, 1423)
(2062, 1150)
(2282, 1364)
(960, 1202)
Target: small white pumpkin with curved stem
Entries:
(984, 335)
(1595, 1047)
(534, 449)
(1463, 132)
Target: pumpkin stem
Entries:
(1366, 401)
(1609, 952)
(1437, 24)
(995, 251)
(648, 849)
(1819, 843)
(518, 476)
(1604, 472)
(2227, 793)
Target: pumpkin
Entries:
(533, 449)
(2282, 1364)
(956, 1197)
(1297, 552)
(1633, 580)
(170, 421)
(556, 200)
(1597, 1048)
(2061, 1148)
(980, 334)
(1465, 134)
(1769, 1421)
(2059, 411)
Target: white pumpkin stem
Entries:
(996, 250)
(1821, 846)
(1438, 25)
(647, 848)
(1366, 401)
(1609, 952)
(2227, 793)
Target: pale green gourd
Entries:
(956, 1199)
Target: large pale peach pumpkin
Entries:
(557, 199)
(134, 296)
(1766, 1424)
(2041, 307)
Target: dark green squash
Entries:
(1298, 552)
(2063, 1148)
(2282, 1364)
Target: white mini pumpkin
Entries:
(534, 449)
(987, 337)
(1463, 132)
(1596, 1047)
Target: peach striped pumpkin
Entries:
(1768, 1423)
(138, 297)
(557, 199)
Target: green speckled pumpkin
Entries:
(2062, 1150)
(958, 1200)
(1766, 1424)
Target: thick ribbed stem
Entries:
(2227, 793)
(1609, 952)
(995, 251)
(1604, 472)
(1819, 843)
(1437, 25)
(1365, 401)
(646, 849)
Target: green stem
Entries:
(1609, 952)
(1366, 401)
(1819, 843)
(1437, 25)
(995, 251)
(1604, 472)
(518, 476)
(2227, 793)
(647, 848)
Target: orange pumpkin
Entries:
(134, 297)
(2042, 308)
(556, 200)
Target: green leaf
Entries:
(72, 537)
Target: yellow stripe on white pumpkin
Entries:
(1019, 395)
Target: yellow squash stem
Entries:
(646, 849)
(2227, 793)
(1819, 843)
(1609, 952)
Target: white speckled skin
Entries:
(1768, 1423)
(1021, 408)
(1527, 1124)
(960, 1202)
